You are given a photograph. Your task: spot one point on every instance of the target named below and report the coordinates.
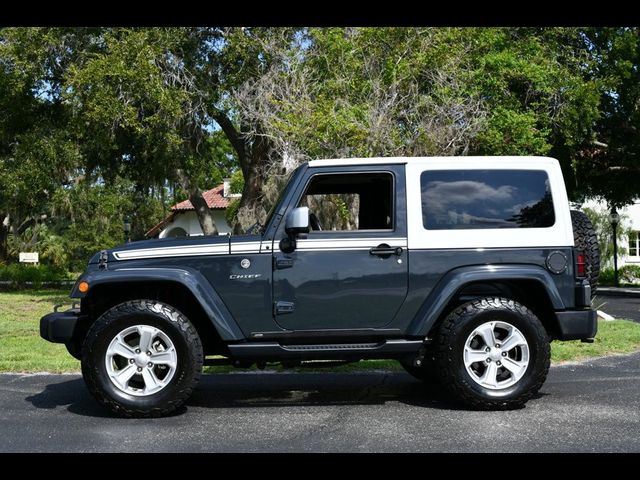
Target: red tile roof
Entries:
(159, 226)
(213, 197)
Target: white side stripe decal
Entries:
(245, 247)
(306, 245)
(348, 243)
(181, 251)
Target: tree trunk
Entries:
(250, 209)
(205, 217)
(4, 233)
(253, 156)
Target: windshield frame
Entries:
(277, 207)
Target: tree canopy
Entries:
(98, 124)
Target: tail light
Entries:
(581, 267)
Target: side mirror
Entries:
(297, 222)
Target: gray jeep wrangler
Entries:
(463, 269)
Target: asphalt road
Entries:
(589, 407)
(620, 307)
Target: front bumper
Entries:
(59, 327)
(577, 324)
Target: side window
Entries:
(474, 199)
(346, 202)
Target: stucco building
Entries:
(631, 218)
(183, 221)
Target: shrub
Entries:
(19, 274)
(629, 274)
(606, 277)
(39, 238)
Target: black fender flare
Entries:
(194, 281)
(437, 300)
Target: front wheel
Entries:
(142, 358)
(493, 354)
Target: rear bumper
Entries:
(59, 327)
(583, 294)
(577, 324)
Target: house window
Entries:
(634, 244)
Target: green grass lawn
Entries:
(22, 349)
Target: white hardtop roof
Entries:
(481, 160)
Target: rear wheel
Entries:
(493, 354)
(142, 359)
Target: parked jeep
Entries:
(463, 269)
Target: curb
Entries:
(618, 292)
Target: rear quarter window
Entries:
(486, 199)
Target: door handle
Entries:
(384, 250)
(280, 308)
(282, 263)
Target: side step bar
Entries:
(272, 350)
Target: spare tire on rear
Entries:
(586, 240)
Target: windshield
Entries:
(272, 210)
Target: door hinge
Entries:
(280, 308)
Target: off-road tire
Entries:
(142, 312)
(449, 346)
(585, 239)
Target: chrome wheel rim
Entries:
(496, 355)
(141, 360)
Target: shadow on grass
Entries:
(36, 296)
